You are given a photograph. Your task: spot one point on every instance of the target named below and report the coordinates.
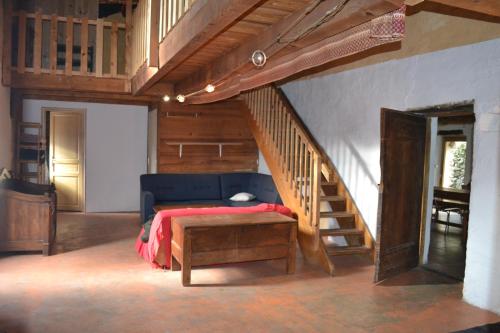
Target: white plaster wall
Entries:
(115, 154)
(263, 168)
(343, 112)
(152, 141)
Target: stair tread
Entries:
(340, 232)
(332, 198)
(347, 250)
(327, 183)
(336, 214)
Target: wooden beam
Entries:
(205, 20)
(91, 97)
(488, 7)
(238, 60)
(160, 89)
(76, 83)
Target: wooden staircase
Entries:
(329, 221)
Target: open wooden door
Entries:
(402, 161)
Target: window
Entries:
(453, 165)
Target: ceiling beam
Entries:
(488, 7)
(74, 83)
(205, 20)
(352, 14)
(88, 97)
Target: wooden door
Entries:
(402, 161)
(67, 158)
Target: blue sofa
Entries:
(200, 189)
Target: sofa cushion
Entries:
(232, 183)
(262, 186)
(231, 203)
(181, 187)
(187, 203)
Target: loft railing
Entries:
(141, 35)
(67, 46)
(149, 14)
(299, 163)
(171, 12)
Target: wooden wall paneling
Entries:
(200, 128)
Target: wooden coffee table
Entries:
(218, 239)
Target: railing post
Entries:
(53, 44)
(114, 50)
(84, 39)
(37, 45)
(69, 46)
(99, 45)
(128, 37)
(316, 181)
(21, 49)
(154, 38)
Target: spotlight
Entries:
(209, 88)
(181, 98)
(259, 58)
(166, 98)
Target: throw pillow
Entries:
(242, 196)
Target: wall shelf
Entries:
(181, 144)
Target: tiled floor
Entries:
(447, 251)
(96, 283)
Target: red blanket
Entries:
(157, 250)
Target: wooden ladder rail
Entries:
(331, 175)
(295, 163)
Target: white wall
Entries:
(115, 155)
(263, 167)
(152, 141)
(343, 112)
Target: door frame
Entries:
(46, 117)
(450, 113)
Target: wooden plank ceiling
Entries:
(249, 26)
(270, 25)
(276, 26)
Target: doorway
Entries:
(445, 245)
(65, 131)
(426, 162)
